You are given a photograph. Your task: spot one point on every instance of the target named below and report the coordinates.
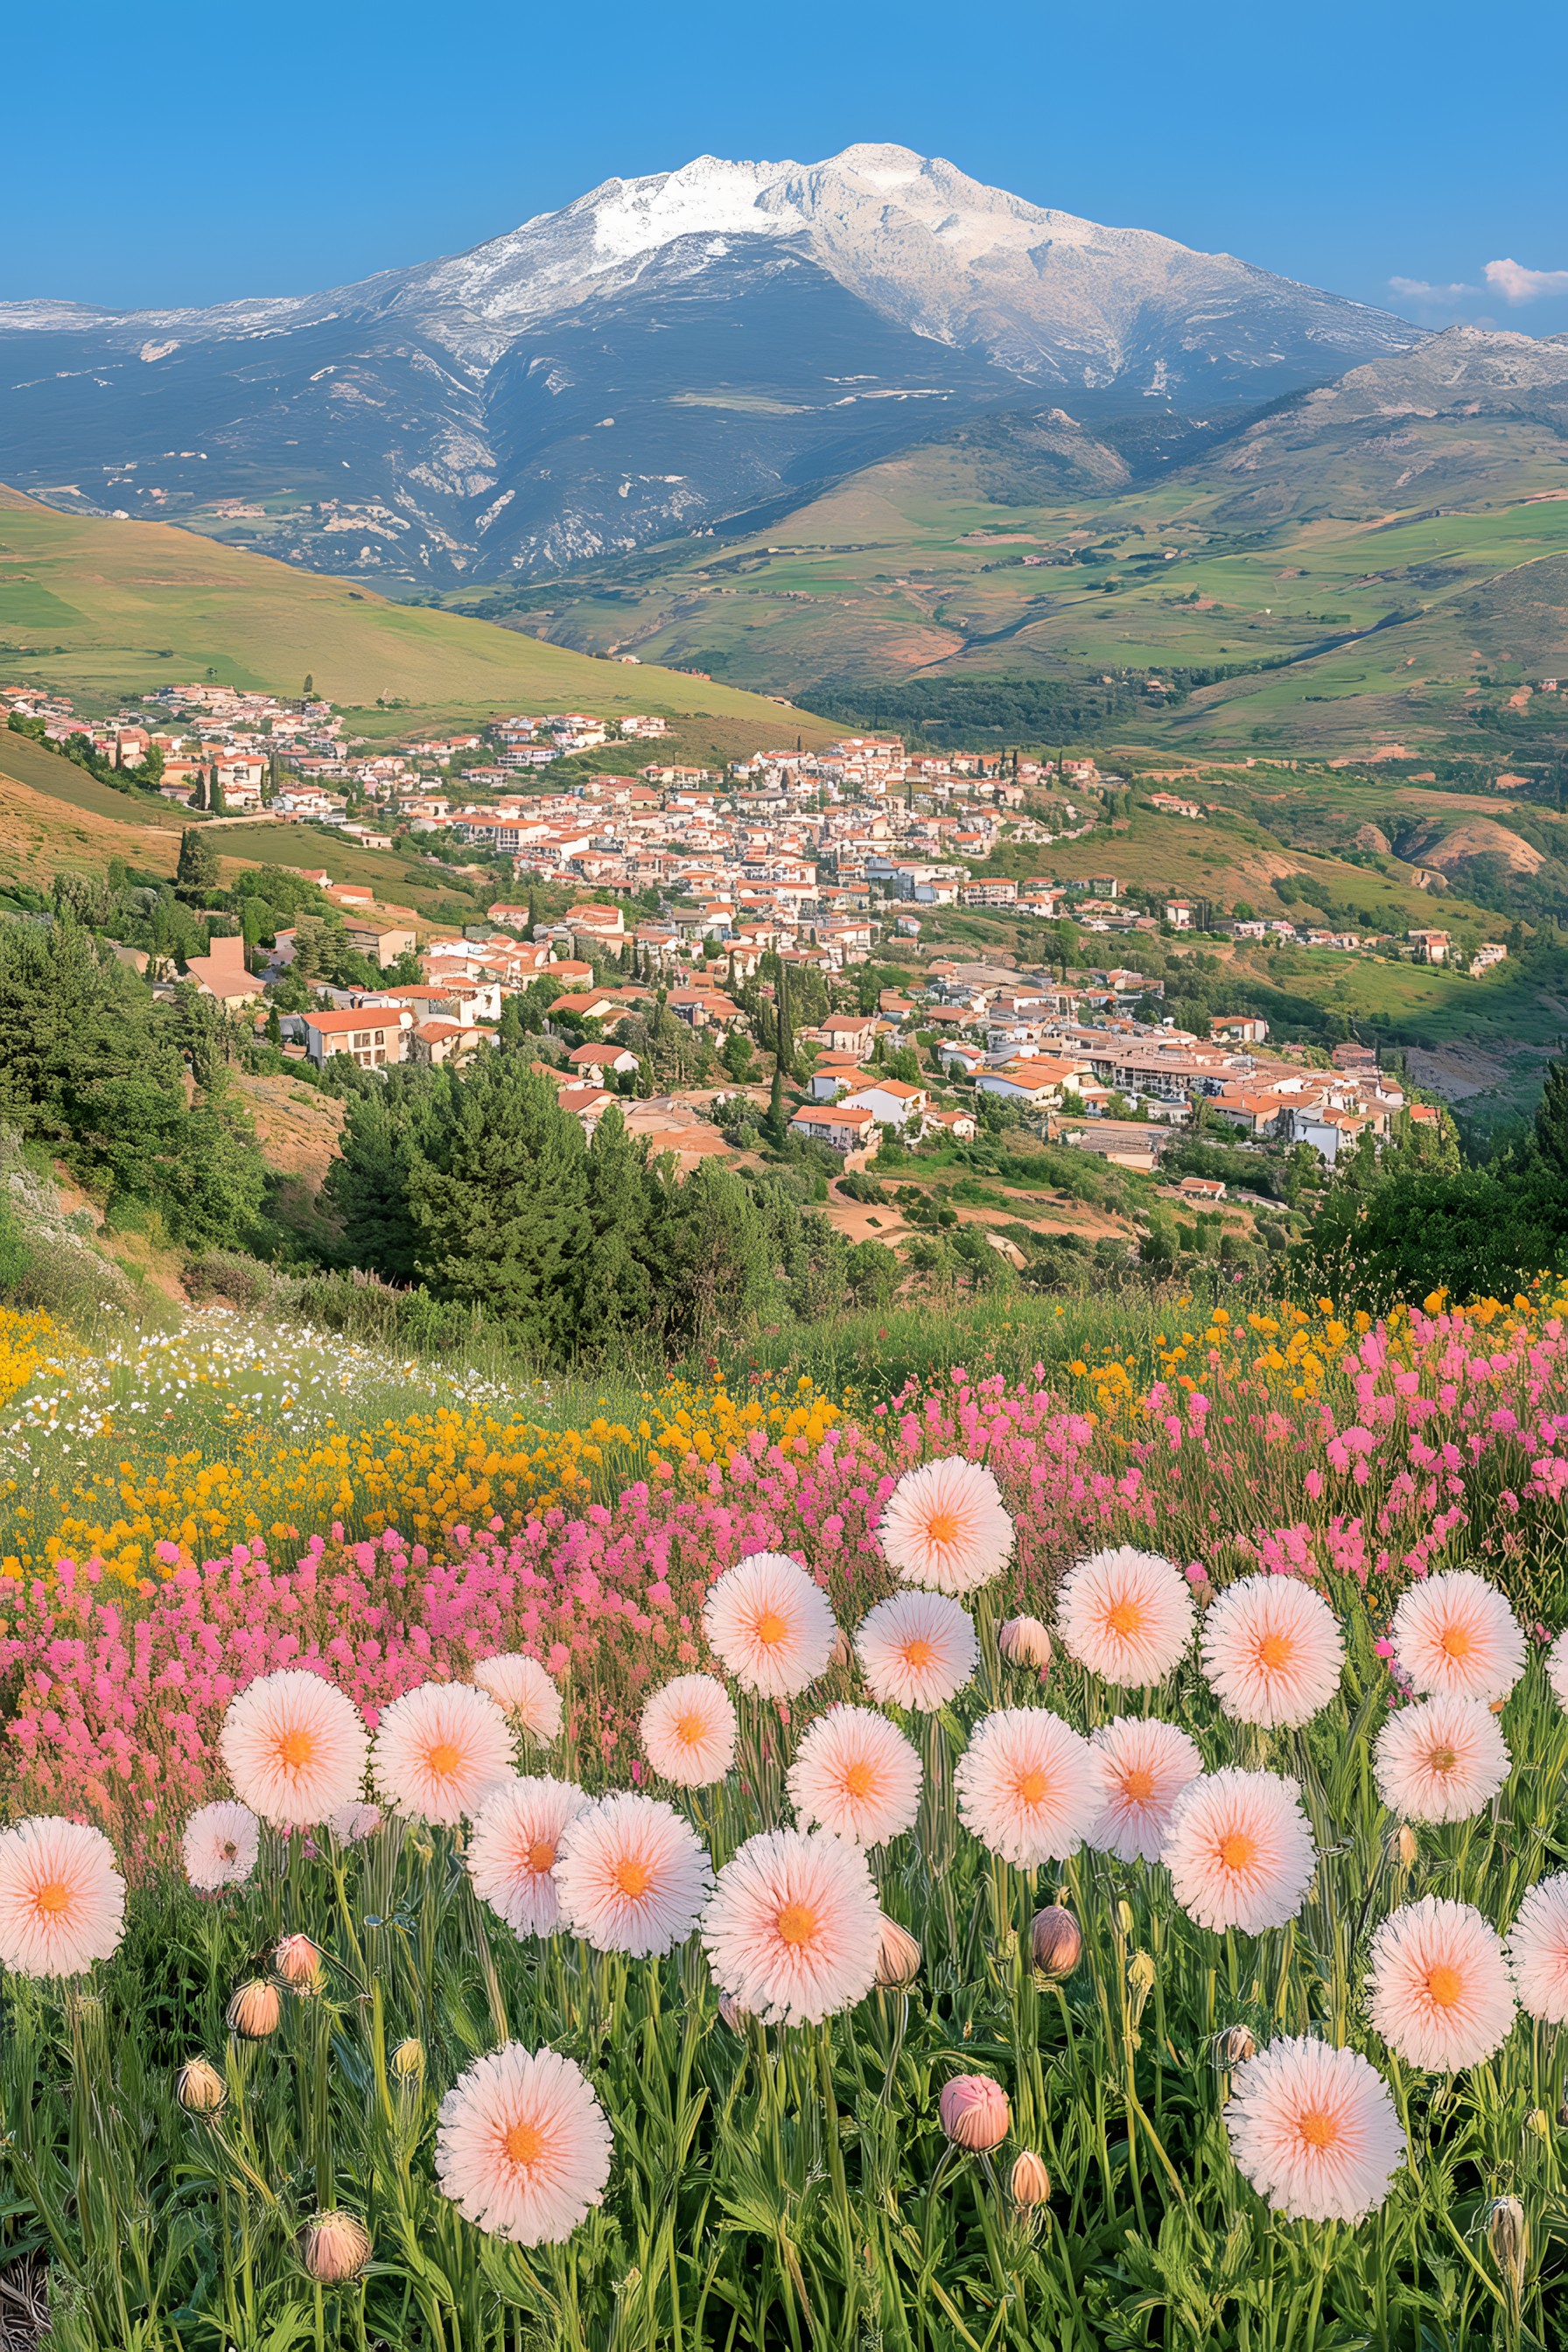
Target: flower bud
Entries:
(1235, 2046)
(842, 1654)
(336, 2248)
(897, 1958)
(201, 2089)
(1141, 1974)
(1508, 2234)
(1024, 1641)
(1030, 2184)
(298, 1963)
(256, 2010)
(735, 2014)
(1538, 2122)
(1126, 1919)
(1056, 1942)
(974, 2113)
(1409, 1848)
(409, 2061)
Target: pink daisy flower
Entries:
(1314, 2129)
(351, 1824)
(770, 1625)
(522, 2147)
(521, 1689)
(1144, 1765)
(1557, 1668)
(946, 1527)
(62, 1899)
(1538, 1950)
(440, 1750)
(1440, 1760)
(916, 1650)
(792, 1929)
(855, 1774)
(1127, 1616)
(688, 1731)
(1029, 1786)
(513, 1853)
(294, 1748)
(1454, 1635)
(1439, 1992)
(1239, 1851)
(632, 1876)
(1271, 1650)
(220, 1846)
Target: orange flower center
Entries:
(296, 1749)
(943, 1528)
(52, 1899)
(524, 2143)
(633, 1877)
(1126, 1618)
(1031, 1786)
(542, 1855)
(1318, 2129)
(228, 1850)
(771, 1628)
(918, 1654)
(1444, 1985)
(798, 1923)
(1139, 1785)
(442, 1758)
(1443, 1759)
(690, 1729)
(859, 1780)
(1274, 1650)
(1457, 1641)
(1236, 1850)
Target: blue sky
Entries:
(182, 153)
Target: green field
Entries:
(903, 571)
(104, 609)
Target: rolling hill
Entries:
(1366, 560)
(660, 355)
(104, 609)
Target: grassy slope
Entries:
(104, 609)
(904, 568)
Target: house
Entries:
(851, 1132)
(221, 973)
(508, 917)
(431, 1043)
(989, 893)
(960, 1060)
(962, 1125)
(1033, 1084)
(582, 1004)
(587, 1102)
(845, 1033)
(1204, 1190)
(594, 1061)
(891, 1102)
(1179, 914)
(1239, 1029)
(384, 945)
(374, 1035)
(1428, 947)
(833, 1074)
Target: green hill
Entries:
(103, 609)
(1385, 557)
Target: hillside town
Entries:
(788, 862)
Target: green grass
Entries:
(154, 605)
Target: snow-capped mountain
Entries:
(658, 354)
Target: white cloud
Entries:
(1516, 284)
(1418, 290)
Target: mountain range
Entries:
(661, 356)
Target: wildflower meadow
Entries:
(1060, 1851)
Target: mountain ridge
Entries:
(741, 329)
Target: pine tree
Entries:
(775, 1118)
(1551, 1123)
(500, 1204)
(197, 872)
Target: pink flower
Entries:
(793, 1930)
(1271, 1651)
(62, 1899)
(1314, 2130)
(855, 1774)
(945, 1527)
(1439, 1991)
(1126, 1615)
(974, 2112)
(1239, 1852)
(523, 2149)
(1029, 1786)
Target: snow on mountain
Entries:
(658, 354)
